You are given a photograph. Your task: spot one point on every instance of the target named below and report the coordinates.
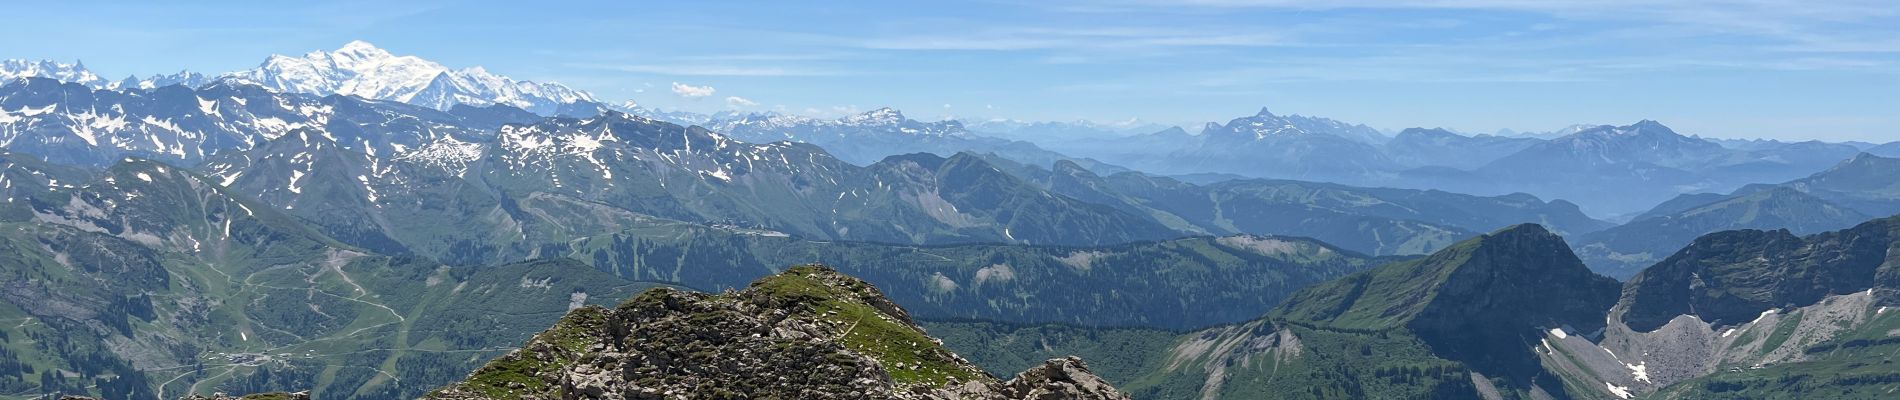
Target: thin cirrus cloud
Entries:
(1007, 39)
(740, 102)
(692, 92)
(1783, 19)
(708, 69)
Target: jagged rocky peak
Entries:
(809, 332)
(890, 120)
(1265, 124)
(1652, 125)
(1749, 314)
(1258, 126)
(880, 116)
(76, 72)
(1730, 278)
(1644, 129)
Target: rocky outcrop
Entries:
(1742, 313)
(1730, 278)
(1062, 378)
(809, 332)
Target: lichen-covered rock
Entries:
(1062, 378)
(807, 333)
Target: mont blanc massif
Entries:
(357, 224)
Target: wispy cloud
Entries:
(740, 102)
(692, 92)
(1764, 18)
(705, 69)
(1006, 39)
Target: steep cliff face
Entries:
(809, 332)
(1729, 278)
(1515, 284)
(1752, 314)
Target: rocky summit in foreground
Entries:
(807, 333)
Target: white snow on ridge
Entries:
(77, 73)
(295, 176)
(25, 112)
(446, 153)
(1764, 314)
(1621, 392)
(362, 69)
(63, 72)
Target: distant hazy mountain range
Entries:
(387, 164)
(1646, 161)
(245, 120)
(1650, 162)
(1836, 198)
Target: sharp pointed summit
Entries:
(75, 72)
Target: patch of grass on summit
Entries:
(571, 335)
(911, 358)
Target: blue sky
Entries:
(1741, 68)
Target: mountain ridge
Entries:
(362, 69)
(840, 334)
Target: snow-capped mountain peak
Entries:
(1257, 126)
(1265, 124)
(63, 72)
(1645, 128)
(881, 116)
(362, 69)
(361, 49)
